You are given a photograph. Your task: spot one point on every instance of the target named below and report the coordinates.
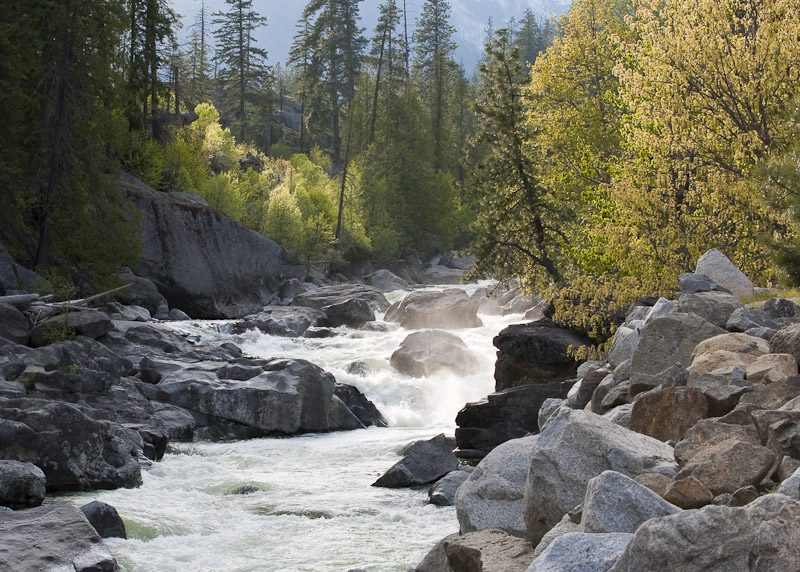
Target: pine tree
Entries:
(529, 38)
(245, 76)
(519, 221)
(329, 46)
(197, 59)
(435, 70)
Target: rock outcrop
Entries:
(202, 262)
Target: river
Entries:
(310, 506)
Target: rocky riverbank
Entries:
(677, 453)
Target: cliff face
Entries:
(203, 262)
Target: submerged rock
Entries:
(424, 353)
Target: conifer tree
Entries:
(435, 70)
(246, 78)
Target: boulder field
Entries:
(677, 452)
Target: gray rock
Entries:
(722, 392)
(353, 313)
(692, 282)
(141, 292)
(720, 269)
(117, 311)
(625, 342)
(452, 260)
(424, 353)
(53, 537)
(74, 451)
(492, 497)
(744, 319)
(450, 309)
(549, 409)
(443, 491)
(715, 307)
(570, 522)
(616, 503)
(501, 416)
(661, 308)
(83, 323)
(177, 315)
(520, 304)
(285, 397)
(669, 340)
(764, 535)
(14, 325)
(573, 448)
(202, 261)
(777, 308)
(425, 462)
(22, 485)
(590, 375)
(385, 281)
(488, 551)
(537, 352)
(104, 519)
(606, 386)
(332, 295)
(789, 487)
(786, 341)
(442, 275)
(287, 321)
(674, 376)
(292, 287)
(436, 559)
(763, 333)
(360, 406)
(8, 277)
(581, 552)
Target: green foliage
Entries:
(280, 150)
(283, 220)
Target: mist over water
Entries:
(311, 507)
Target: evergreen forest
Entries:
(592, 158)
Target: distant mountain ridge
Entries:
(469, 17)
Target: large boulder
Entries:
(386, 281)
(581, 552)
(14, 325)
(83, 323)
(763, 535)
(74, 451)
(721, 270)
(575, 447)
(142, 292)
(203, 262)
(666, 414)
(280, 396)
(288, 321)
(425, 462)
(668, 340)
(424, 353)
(8, 277)
(439, 274)
(508, 414)
(52, 537)
(744, 319)
(617, 503)
(716, 307)
(492, 496)
(786, 341)
(22, 485)
(538, 352)
(449, 309)
(320, 298)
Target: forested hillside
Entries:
(593, 159)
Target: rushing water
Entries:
(310, 505)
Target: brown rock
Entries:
(656, 482)
(666, 414)
(709, 433)
(721, 362)
(736, 343)
(778, 366)
(729, 466)
(688, 493)
(489, 550)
